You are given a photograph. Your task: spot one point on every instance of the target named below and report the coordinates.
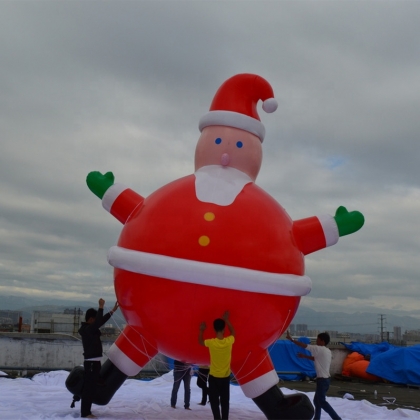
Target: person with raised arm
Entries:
(220, 349)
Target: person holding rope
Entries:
(92, 352)
(202, 379)
(182, 372)
(220, 349)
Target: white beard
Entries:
(219, 185)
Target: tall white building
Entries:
(397, 333)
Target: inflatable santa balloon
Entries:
(210, 242)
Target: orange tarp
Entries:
(355, 365)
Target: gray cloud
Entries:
(121, 86)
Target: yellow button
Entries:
(209, 216)
(203, 240)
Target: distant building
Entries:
(4, 320)
(412, 336)
(6, 324)
(292, 329)
(301, 329)
(13, 315)
(333, 334)
(397, 334)
(312, 333)
(371, 338)
(65, 323)
(74, 311)
(26, 328)
(10, 320)
(343, 337)
(109, 329)
(48, 322)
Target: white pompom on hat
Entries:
(235, 104)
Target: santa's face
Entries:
(228, 146)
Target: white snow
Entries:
(46, 397)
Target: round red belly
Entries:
(172, 312)
(254, 232)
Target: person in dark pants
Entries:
(321, 356)
(202, 379)
(92, 352)
(182, 372)
(220, 349)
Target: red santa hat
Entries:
(235, 104)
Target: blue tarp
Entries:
(400, 365)
(284, 356)
(368, 349)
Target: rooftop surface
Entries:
(390, 395)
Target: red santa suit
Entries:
(198, 246)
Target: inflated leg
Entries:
(259, 381)
(132, 350)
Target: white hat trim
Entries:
(233, 119)
(208, 274)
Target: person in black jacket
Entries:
(202, 380)
(92, 352)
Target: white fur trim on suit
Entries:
(216, 275)
(111, 195)
(330, 229)
(258, 386)
(122, 362)
(233, 119)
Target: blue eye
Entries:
(218, 140)
(239, 144)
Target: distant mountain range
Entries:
(27, 305)
(359, 322)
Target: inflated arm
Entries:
(318, 232)
(117, 199)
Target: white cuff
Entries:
(330, 229)
(122, 362)
(111, 194)
(258, 386)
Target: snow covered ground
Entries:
(46, 397)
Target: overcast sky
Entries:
(121, 85)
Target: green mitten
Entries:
(348, 222)
(99, 183)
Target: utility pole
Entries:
(74, 321)
(382, 327)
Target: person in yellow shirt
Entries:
(220, 349)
